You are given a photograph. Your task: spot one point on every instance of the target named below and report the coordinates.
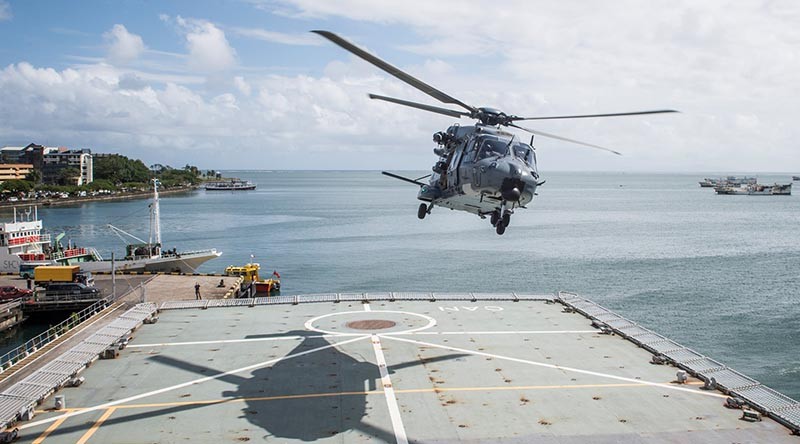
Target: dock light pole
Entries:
(113, 280)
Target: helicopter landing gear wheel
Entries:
(506, 218)
(494, 218)
(500, 227)
(422, 211)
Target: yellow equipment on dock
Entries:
(250, 274)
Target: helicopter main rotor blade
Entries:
(422, 106)
(393, 70)
(553, 136)
(583, 116)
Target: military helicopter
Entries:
(482, 168)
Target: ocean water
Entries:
(716, 273)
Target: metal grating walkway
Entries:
(776, 405)
(25, 394)
(354, 297)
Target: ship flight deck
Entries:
(406, 367)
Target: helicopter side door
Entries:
(452, 170)
(466, 169)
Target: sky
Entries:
(243, 84)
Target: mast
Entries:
(156, 214)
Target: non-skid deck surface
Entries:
(387, 372)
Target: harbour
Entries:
(669, 264)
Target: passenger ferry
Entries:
(230, 185)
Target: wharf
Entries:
(10, 314)
(402, 367)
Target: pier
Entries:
(389, 367)
(10, 314)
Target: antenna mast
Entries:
(156, 214)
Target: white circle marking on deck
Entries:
(309, 323)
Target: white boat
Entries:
(230, 185)
(23, 246)
(29, 248)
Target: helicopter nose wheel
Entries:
(424, 210)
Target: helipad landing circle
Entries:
(369, 322)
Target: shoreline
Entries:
(79, 200)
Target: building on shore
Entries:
(32, 154)
(57, 162)
(14, 171)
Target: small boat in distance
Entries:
(757, 189)
(230, 185)
(795, 177)
(730, 181)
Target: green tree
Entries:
(17, 186)
(119, 169)
(68, 176)
(34, 176)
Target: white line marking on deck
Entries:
(557, 367)
(388, 389)
(309, 324)
(188, 383)
(229, 341)
(509, 332)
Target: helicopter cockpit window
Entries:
(493, 148)
(523, 152)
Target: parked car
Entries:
(8, 293)
(71, 290)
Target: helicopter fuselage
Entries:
(481, 170)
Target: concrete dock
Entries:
(403, 367)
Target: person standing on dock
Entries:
(197, 291)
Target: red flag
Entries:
(276, 274)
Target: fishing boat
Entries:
(729, 181)
(149, 255)
(140, 255)
(757, 190)
(230, 185)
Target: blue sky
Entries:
(243, 84)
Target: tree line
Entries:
(113, 173)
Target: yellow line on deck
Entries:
(380, 392)
(49, 430)
(96, 425)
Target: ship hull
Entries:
(183, 263)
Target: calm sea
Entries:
(716, 273)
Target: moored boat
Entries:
(756, 190)
(140, 256)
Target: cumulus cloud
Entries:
(734, 84)
(209, 49)
(5, 10)
(123, 46)
(242, 85)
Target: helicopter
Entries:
(481, 168)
